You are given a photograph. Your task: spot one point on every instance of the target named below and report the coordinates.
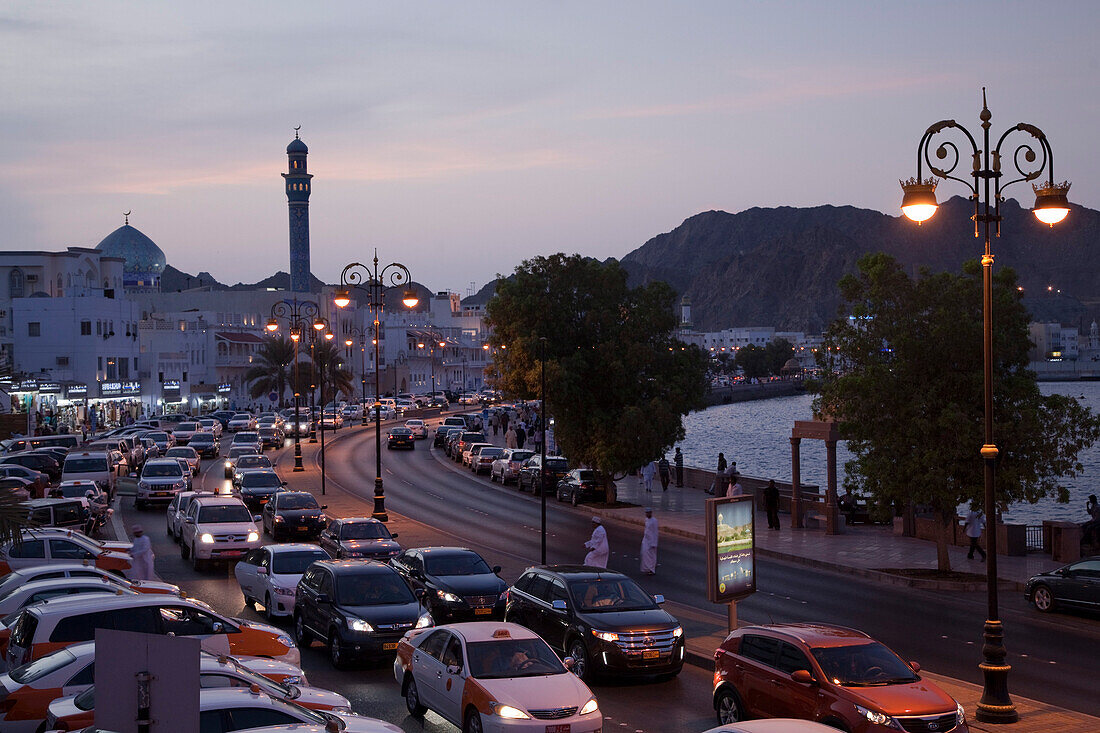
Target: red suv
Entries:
(833, 675)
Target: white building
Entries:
(1053, 342)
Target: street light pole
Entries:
(1051, 206)
(356, 331)
(295, 312)
(375, 281)
(542, 443)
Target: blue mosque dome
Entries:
(297, 146)
(145, 261)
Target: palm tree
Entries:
(270, 371)
(13, 516)
(328, 361)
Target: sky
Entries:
(460, 138)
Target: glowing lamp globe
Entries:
(918, 201)
(342, 299)
(1051, 202)
(410, 299)
(272, 325)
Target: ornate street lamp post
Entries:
(376, 281)
(299, 314)
(362, 334)
(1030, 159)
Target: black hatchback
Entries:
(359, 608)
(458, 584)
(602, 619)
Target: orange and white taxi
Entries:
(46, 627)
(49, 545)
(493, 676)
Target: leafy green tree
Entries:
(13, 516)
(778, 352)
(617, 381)
(270, 371)
(328, 361)
(753, 361)
(905, 384)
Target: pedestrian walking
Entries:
(678, 459)
(494, 421)
(521, 436)
(719, 484)
(510, 437)
(665, 472)
(735, 488)
(771, 504)
(649, 544)
(598, 549)
(1090, 530)
(974, 523)
(649, 470)
(142, 553)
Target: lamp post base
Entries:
(298, 458)
(996, 705)
(379, 502)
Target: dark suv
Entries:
(464, 441)
(358, 608)
(458, 584)
(293, 514)
(257, 487)
(530, 473)
(600, 618)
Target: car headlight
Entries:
(507, 711)
(179, 484)
(875, 717)
(605, 635)
(143, 485)
(278, 518)
(228, 464)
(289, 644)
(448, 597)
(281, 591)
(207, 538)
(424, 621)
(590, 707)
(253, 537)
(678, 632)
(960, 714)
(358, 624)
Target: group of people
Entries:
(522, 427)
(663, 469)
(599, 551)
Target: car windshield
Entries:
(455, 564)
(609, 594)
(86, 465)
(372, 589)
(48, 664)
(86, 700)
(863, 665)
(296, 562)
(521, 455)
(253, 461)
(202, 439)
(185, 426)
(184, 452)
(157, 437)
(260, 480)
(153, 470)
(364, 531)
(588, 475)
(298, 501)
(490, 452)
(73, 492)
(240, 450)
(224, 514)
(242, 416)
(268, 431)
(512, 658)
(558, 464)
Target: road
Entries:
(433, 501)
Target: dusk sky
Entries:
(463, 137)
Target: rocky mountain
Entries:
(779, 267)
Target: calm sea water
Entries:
(757, 435)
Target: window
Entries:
(540, 587)
(99, 328)
(64, 549)
(28, 549)
(15, 283)
(34, 328)
(760, 649)
(325, 586)
(242, 718)
(85, 676)
(791, 659)
(452, 656)
(435, 643)
(85, 328)
(183, 621)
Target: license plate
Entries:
(389, 645)
(162, 493)
(482, 611)
(560, 728)
(303, 529)
(650, 654)
(231, 553)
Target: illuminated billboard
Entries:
(731, 558)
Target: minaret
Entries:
(297, 196)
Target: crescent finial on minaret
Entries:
(127, 217)
(299, 127)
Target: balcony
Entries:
(233, 360)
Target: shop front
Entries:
(119, 402)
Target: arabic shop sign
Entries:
(119, 389)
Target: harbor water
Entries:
(757, 435)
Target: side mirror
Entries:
(217, 627)
(568, 663)
(393, 535)
(558, 605)
(496, 570)
(324, 506)
(915, 666)
(323, 598)
(261, 571)
(188, 520)
(802, 677)
(659, 599)
(257, 518)
(454, 669)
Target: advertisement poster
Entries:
(731, 564)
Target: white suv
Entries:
(161, 479)
(217, 528)
(87, 466)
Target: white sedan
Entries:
(270, 575)
(418, 428)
